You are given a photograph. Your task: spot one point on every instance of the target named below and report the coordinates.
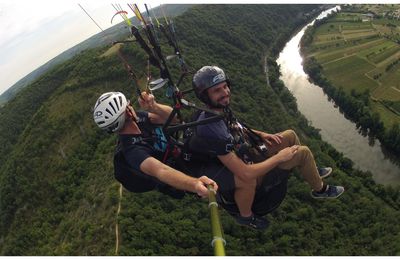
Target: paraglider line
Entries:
(90, 17)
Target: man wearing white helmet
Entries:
(137, 161)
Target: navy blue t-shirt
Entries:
(138, 147)
(220, 139)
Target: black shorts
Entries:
(269, 195)
(214, 170)
(132, 179)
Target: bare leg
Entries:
(244, 196)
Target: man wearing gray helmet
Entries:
(250, 156)
(137, 161)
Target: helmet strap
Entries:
(134, 119)
(132, 116)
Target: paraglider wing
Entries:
(119, 12)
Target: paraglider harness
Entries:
(179, 139)
(123, 173)
(251, 148)
(247, 145)
(166, 138)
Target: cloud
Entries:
(37, 31)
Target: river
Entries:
(334, 128)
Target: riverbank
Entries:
(358, 104)
(334, 127)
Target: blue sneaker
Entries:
(331, 192)
(324, 172)
(253, 221)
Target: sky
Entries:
(33, 32)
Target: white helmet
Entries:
(109, 111)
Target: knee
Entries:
(304, 151)
(290, 133)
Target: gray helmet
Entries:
(109, 111)
(205, 78)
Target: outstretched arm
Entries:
(175, 178)
(158, 113)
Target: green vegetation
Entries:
(355, 53)
(57, 191)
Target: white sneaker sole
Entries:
(329, 173)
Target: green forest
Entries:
(58, 195)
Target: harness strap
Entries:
(166, 154)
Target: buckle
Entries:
(187, 156)
(229, 147)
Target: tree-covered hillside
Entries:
(57, 191)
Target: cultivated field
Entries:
(361, 52)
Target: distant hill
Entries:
(113, 33)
